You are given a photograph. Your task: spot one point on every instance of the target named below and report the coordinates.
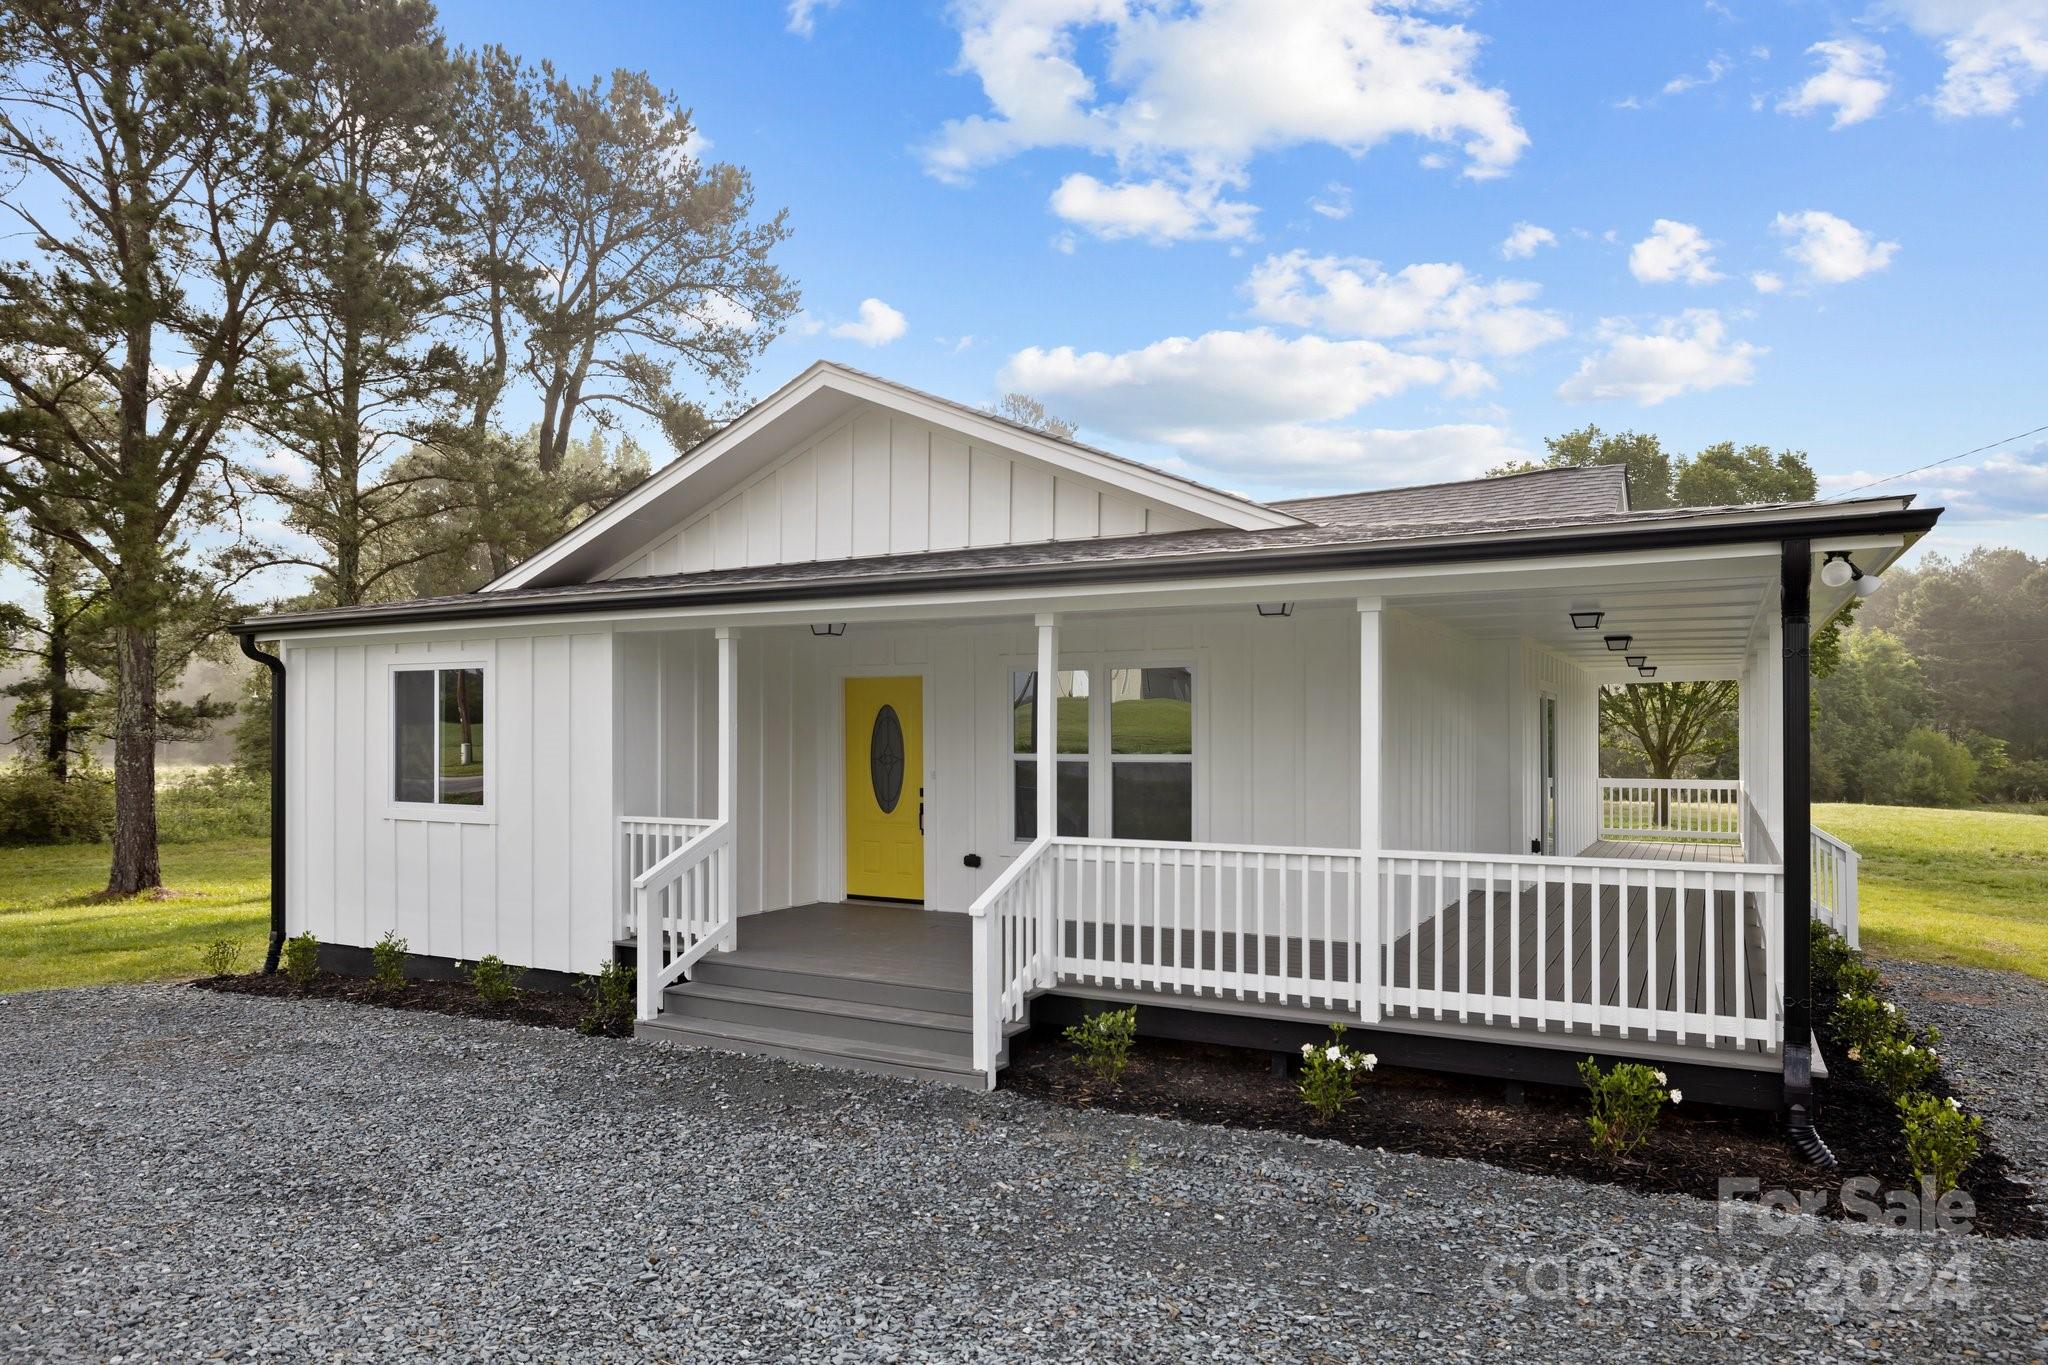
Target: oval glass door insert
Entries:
(885, 759)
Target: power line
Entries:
(1907, 473)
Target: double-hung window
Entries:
(437, 727)
(1126, 752)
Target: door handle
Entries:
(920, 811)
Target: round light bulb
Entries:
(1866, 585)
(1836, 572)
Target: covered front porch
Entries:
(1475, 884)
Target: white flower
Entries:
(1370, 1060)
(1678, 1097)
(1662, 1079)
(1955, 1104)
(1308, 1049)
(1333, 1052)
(1855, 1054)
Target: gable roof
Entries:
(1157, 556)
(820, 396)
(1587, 492)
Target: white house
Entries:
(770, 722)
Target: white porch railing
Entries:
(1675, 808)
(683, 907)
(1010, 959)
(1678, 952)
(645, 840)
(1834, 871)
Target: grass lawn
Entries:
(1963, 886)
(53, 934)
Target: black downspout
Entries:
(1795, 613)
(276, 667)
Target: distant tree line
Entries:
(286, 272)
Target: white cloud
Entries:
(878, 325)
(284, 464)
(2005, 486)
(1297, 456)
(1441, 306)
(1155, 210)
(803, 15)
(1832, 250)
(1673, 251)
(1334, 202)
(1690, 353)
(1852, 81)
(1191, 94)
(1523, 241)
(1996, 50)
(1766, 281)
(1716, 69)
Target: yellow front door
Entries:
(885, 788)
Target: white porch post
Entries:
(1369, 686)
(1046, 743)
(728, 780)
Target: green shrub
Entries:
(387, 962)
(1626, 1102)
(1864, 1023)
(609, 994)
(1329, 1074)
(1941, 1140)
(302, 959)
(494, 981)
(221, 802)
(1103, 1041)
(220, 957)
(36, 808)
(1900, 1066)
(1836, 970)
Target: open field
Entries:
(52, 933)
(1957, 886)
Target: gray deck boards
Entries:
(1663, 851)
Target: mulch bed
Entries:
(429, 997)
(1430, 1114)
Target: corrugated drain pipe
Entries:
(276, 667)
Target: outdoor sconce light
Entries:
(1618, 643)
(1648, 670)
(1276, 608)
(1836, 571)
(1636, 660)
(829, 628)
(1586, 620)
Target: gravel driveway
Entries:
(191, 1174)
(1994, 1027)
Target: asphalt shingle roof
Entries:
(1585, 492)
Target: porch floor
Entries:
(903, 945)
(1664, 851)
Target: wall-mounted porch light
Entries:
(1276, 608)
(1586, 620)
(1839, 569)
(1618, 644)
(828, 628)
(1636, 660)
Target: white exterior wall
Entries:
(1762, 726)
(529, 876)
(1537, 671)
(882, 483)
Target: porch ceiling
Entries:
(1690, 629)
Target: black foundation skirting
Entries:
(346, 959)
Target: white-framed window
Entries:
(1126, 746)
(439, 721)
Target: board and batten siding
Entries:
(1540, 672)
(529, 877)
(1276, 736)
(881, 483)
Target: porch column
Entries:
(1370, 679)
(729, 778)
(1046, 748)
(1796, 819)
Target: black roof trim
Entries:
(1343, 555)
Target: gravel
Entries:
(189, 1174)
(1994, 1027)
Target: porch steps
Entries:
(862, 1022)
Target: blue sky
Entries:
(1203, 233)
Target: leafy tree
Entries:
(648, 259)
(362, 282)
(1863, 710)
(55, 704)
(1927, 769)
(161, 143)
(1027, 411)
(1649, 467)
(1668, 723)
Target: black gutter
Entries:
(1795, 610)
(1160, 568)
(276, 667)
